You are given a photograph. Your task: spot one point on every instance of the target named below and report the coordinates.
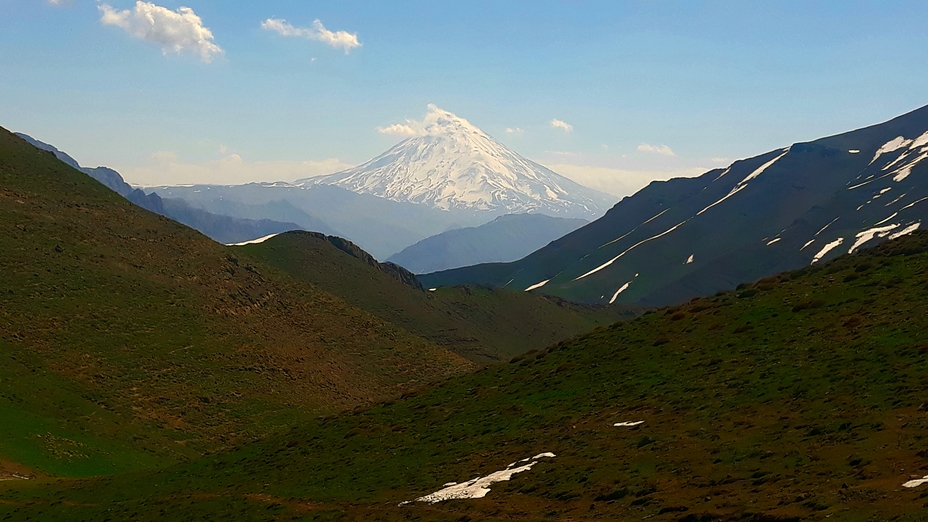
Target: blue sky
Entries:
(649, 88)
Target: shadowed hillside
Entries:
(128, 340)
(482, 324)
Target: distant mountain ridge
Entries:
(675, 240)
(221, 228)
(453, 164)
(506, 238)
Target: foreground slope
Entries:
(506, 238)
(800, 397)
(482, 324)
(781, 210)
(128, 340)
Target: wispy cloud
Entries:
(514, 130)
(167, 168)
(563, 125)
(663, 150)
(337, 39)
(619, 182)
(176, 31)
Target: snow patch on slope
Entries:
(891, 146)
(827, 248)
(629, 249)
(866, 235)
(906, 231)
(480, 486)
(253, 241)
(537, 285)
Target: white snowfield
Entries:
(891, 146)
(537, 285)
(744, 183)
(628, 424)
(690, 259)
(827, 248)
(451, 164)
(906, 231)
(915, 483)
(622, 289)
(866, 235)
(480, 486)
(253, 241)
(629, 249)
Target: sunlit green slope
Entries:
(798, 397)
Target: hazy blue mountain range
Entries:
(781, 210)
(506, 238)
(222, 228)
(453, 175)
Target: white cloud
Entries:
(516, 130)
(338, 39)
(166, 168)
(176, 31)
(431, 123)
(619, 182)
(663, 150)
(408, 129)
(558, 124)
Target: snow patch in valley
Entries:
(480, 486)
(690, 259)
(807, 244)
(774, 241)
(253, 241)
(628, 424)
(537, 285)
(867, 235)
(854, 151)
(827, 248)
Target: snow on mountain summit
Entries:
(449, 163)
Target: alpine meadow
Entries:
(453, 262)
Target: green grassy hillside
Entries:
(801, 396)
(481, 324)
(129, 341)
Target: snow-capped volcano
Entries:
(451, 164)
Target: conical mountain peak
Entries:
(450, 163)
